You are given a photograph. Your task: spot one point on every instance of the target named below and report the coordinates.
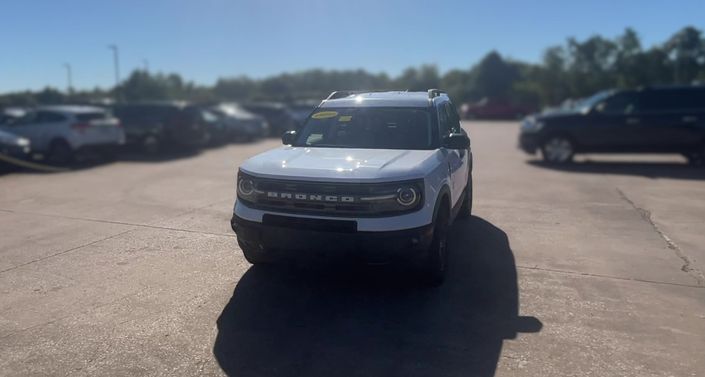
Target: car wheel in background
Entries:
(696, 158)
(109, 154)
(557, 150)
(60, 153)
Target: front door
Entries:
(613, 125)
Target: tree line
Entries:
(572, 70)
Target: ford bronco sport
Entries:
(374, 176)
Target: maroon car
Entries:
(495, 109)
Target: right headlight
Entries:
(246, 187)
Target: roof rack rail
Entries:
(432, 93)
(341, 94)
(347, 93)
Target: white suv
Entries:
(375, 176)
(59, 132)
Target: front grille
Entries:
(323, 198)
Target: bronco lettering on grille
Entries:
(311, 197)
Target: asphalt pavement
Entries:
(131, 268)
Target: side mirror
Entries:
(456, 141)
(289, 137)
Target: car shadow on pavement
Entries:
(375, 322)
(644, 169)
(132, 155)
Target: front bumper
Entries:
(294, 238)
(15, 151)
(529, 142)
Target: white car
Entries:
(376, 176)
(59, 132)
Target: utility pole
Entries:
(116, 61)
(69, 79)
(145, 62)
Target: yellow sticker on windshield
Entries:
(345, 118)
(324, 115)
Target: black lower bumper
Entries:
(15, 151)
(529, 143)
(290, 238)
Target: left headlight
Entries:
(22, 142)
(531, 125)
(389, 198)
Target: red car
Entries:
(495, 109)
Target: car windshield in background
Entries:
(371, 127)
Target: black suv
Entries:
(650, 120)
(156, 125)
(278, 116)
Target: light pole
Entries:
(116, 60)
(69, 79)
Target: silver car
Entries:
(58, 133)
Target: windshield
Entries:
(369, 127)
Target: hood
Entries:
(338, 164)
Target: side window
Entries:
(453, 118)
(619, 104)
(29, 118)
(443, 125)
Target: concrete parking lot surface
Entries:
(131, 268)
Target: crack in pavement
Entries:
(645, 214)
(120, 222)
(601, 276)
(64, 251)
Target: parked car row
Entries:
(57, 134)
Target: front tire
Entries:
(60, 153)
(558, 150)
(436, 261)
(466, 209)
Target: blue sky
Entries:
(206, 39)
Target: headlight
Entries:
(22, 142)
(407, 196)
(394, 197)
(531, 125)
(246, 187)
